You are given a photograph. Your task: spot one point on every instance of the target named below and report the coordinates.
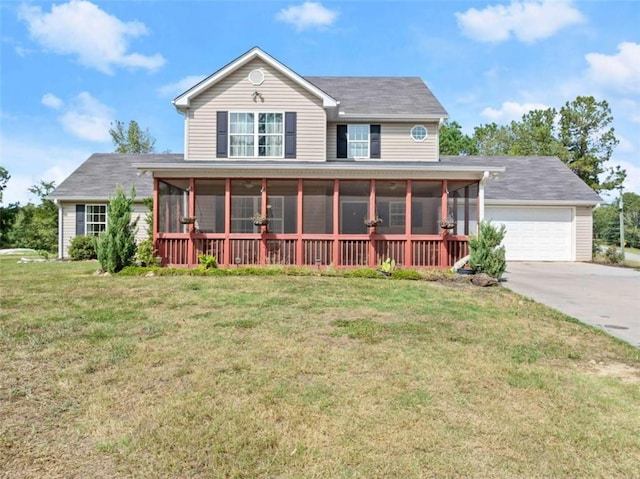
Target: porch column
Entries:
(372, 214)
(408, 246)
(444, 246)
(155, 214)
(191, 227)
(337, 260)
(299, 249)
(466, 210)
(227, 223)
(481, 197)
(263, 210)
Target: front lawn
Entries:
(291, 377)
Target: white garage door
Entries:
(535, 234)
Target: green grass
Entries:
(303, 376)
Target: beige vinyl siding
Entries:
(69, 223)
(68, 227)
(584, 233)
(235, 93)
(395, 142)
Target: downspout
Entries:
(485, 177)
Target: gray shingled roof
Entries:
(98, 176)
(540, 178)
(381, 95)
(530, 178)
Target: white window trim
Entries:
(425, 136)
(256, 135)
(86, 216)
(349, 141)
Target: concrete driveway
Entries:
(607, 297)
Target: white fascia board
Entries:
(315, 170)
(534, 203)
(183, 101)
(388, 117)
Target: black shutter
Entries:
(374, 136)
(221, 136)
(290, 119)
(341, 141)
(80, 228)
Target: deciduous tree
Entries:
(132, 139)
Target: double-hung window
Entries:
(258, 134)
(95, 219)
(358, 141)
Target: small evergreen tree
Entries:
(487, 256)
(116, 246)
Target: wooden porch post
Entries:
(444, 246)
(337, 260)
(263, 210)
(408, 247)
(227, 222)
(191, 256)
(299, 249)
(372, 214)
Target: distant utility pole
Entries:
(621, 207)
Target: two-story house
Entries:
(284, 169)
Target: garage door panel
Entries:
(535, 234)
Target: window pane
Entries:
(426, 207)
(210, 206)
(354, 206)
(245, 203)
(317, 207)
(173, 204)
(391, 206)
(282, 206)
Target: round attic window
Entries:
(419, 133)
(256, 77)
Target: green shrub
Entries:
(410, 274)
(207, 261)
(116, 246)
(612, 255)
(83, 248)
(486, 254)
(361, 273)
(146, 254)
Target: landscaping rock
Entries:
(484, 280)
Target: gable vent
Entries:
(256, 77)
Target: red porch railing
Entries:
(178, 249)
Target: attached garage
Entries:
(536, 233)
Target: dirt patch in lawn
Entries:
(621, 371)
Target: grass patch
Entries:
(303, 375)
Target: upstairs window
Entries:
(256, 135)
(358, 141)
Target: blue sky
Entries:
(69, 69)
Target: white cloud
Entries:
(307, 15)
(52, 101)
(620, 71)
(82, 29)
(528, 21)
(30, 161)
(511, 111)
(182, 85)
(88, 119)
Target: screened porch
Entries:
(314, 222)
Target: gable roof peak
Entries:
(183, 101)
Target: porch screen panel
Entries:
(173, 204)
(245, 203)
(282, 206)
(462, 206)
(426, 207)
(354, 206)
(391, 206)
(210, 206)
(317, 207)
